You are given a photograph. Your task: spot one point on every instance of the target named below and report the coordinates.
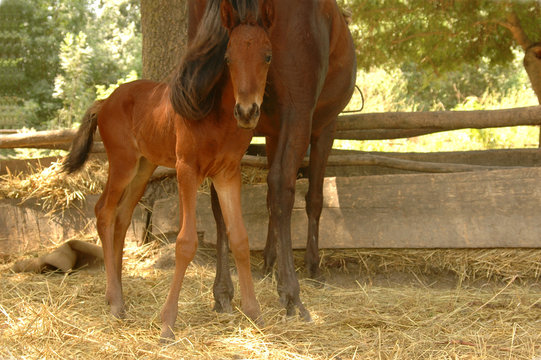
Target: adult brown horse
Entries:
(140, 131)
(311, 79)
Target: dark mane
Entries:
(194, 86)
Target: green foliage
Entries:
(103, 92)
(387, 91)
(438, 35)
(446, 49)
(53, 53)
(71, 84)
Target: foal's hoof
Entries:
(255, 316)
(118, 312)
(167, 337)
(305, 315)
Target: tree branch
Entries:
(513, 25)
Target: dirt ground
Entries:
(373, 304)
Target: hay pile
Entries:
(373, 305)
(52, 189)
(56, 191)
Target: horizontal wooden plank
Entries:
(441, 120)
(26, 227)
(488, 158)
(364, 126)
(482, 209)
(471, 210)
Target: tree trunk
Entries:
(532, 53)
(164, 27)
(532, 64)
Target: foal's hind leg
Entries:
(121, 173)
(319, 153)
(129, 200)
(223, 290)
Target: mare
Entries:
(311, 79)
(140, 131)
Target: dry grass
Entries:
(376, 304)
(54, 190)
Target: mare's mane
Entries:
(195, 85)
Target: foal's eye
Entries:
(268, 59)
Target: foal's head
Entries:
(248, 56)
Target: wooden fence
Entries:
(370, 126)
(456, 199)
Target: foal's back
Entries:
(138, 118)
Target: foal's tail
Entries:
(82, 143)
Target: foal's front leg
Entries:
(228, 189)
(186, 245)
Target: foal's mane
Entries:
(195, 86)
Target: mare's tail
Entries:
(82, 143)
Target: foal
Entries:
(140, 130)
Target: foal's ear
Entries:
(230, 17)
(267, 13)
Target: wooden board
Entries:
(467, 210)
(26, 227)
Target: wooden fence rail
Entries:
(369, 126)
(392, 125)
(470, 210)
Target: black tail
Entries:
(82, 143)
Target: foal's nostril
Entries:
(246, 114)
(255, 111)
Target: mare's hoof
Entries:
(259, 322)
(314, 273)
(305, 315)
(292, 306)
(222, 304)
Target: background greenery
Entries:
(57, 56)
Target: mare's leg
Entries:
(319, 153)
(223, 289)
(269, 253)
(186, 244)
(228, 189)
(292, 145)
(122, 169)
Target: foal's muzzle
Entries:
(247, 117)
